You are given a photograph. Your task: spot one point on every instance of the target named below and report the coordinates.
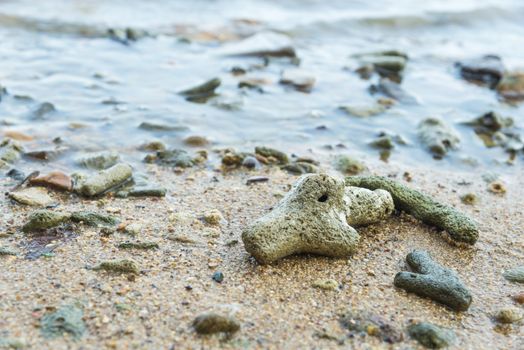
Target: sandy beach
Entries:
(276, 305)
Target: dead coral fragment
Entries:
(94, 219)
(460, 227)
(118, 266)
(438, 137)
(67, 319)
(433, 281)
(210, 323)
(7, 251)
(271, 153)
(138, 245)
(44, 219)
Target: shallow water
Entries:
(58, 52)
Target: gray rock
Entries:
(100, 161)
(487, 70)
(433, 281)
(438, 137)
(515, 274)
(210, 323)
(105, 180)
(348, 165)
(431, 336)
(203, 92)
(509, 315)
(364, 111)
(157, 127)
(10, 151)
(32, 196)
(361, 321)
(67, 319)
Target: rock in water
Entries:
(100, 161)
(67, 319)
(515, 274)
(311, 218)
(33, 196)
(210, 323)
(105, 180)
(487, 70)
(438, 137)
(460, 227)
(431, 336)
(298, 79)
(203, 92)
(511, 87)
(118, 266)
(433, 281)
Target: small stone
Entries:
(99, 161)
(32, 196)
(44, 219)
(203, 92)
(267, 152)
(364, 111)
(18, 136)
(508, 315)
(519, 298)
(438, 137)
(256, 179)
(153, 146)
(94, 219)
(139, 245)
(133, 229)
(7, 251)
(384, 142)
(497, 187)
(196, 141)
(55, 179)
(232, 159)
(250, 163)
(67, 319)
(431, 336)
(118, 266)
(515, 274)
(298, 79)
(213, 217)
(348, 165)
(469, 199)
(42, 110)
(487, 70)
(511, 87)
(105, 180)
(210, 323)
(218, 277)
(300, 168)
(325, 284)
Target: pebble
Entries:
(325, 284)
(119, 266)
(211, 323)
(487, 70)
(99, 161)
(361, 321)
(433, 281)
(32, 196)
(511, 87)
(508, 315)
(272, 153)
(519, 298)
(218, 277)
(44, 219)
(93, 219)
(257, 179)
(437, 136)
(431, 336)
(196, 141)
(348, 165)
(105, 180)
(201, 93)
(67, 319)
(213, 217)
(7, 251)
(364, 111)
(56, 180)
(515, 274)
(149, 126)
(251, 163)
(139, 245)
(300, 80)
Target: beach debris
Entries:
(486, 70)
(362, 321)
(272, 155)
(105, 180)
(56, 180)
(431, 280)
(203, 92)
(497, 187)
(469, 199)
(196, 141)
(12, 343)
(153, 146)
(311, 218)
(325, 284)
(298, 79)
(213, 217)
(218, 277)
(7, 251)
(125, 36)
(93, 219)
(365, 207)
(99, 161)
(437, 136)
(348, 165)
(421, 206)
(511, 87)
(158, 127)
(515, 274)
(44, 219)
(211, 323)
(67, 319)
(139, 245)
(388, 64)
(123, 266)
(364, 111)
(10, 152)
(32, 196)
(431, 336)
(508, 315)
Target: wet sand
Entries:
(276, 305)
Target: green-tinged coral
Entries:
(94, 219)
(118, 266)
(433, 281)
(44, 219)
(7, 251)
(138, 245)
(105, 180)
(431, 336)
(210, 323)
(67, 319)
(460, 227)
(515, 274)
